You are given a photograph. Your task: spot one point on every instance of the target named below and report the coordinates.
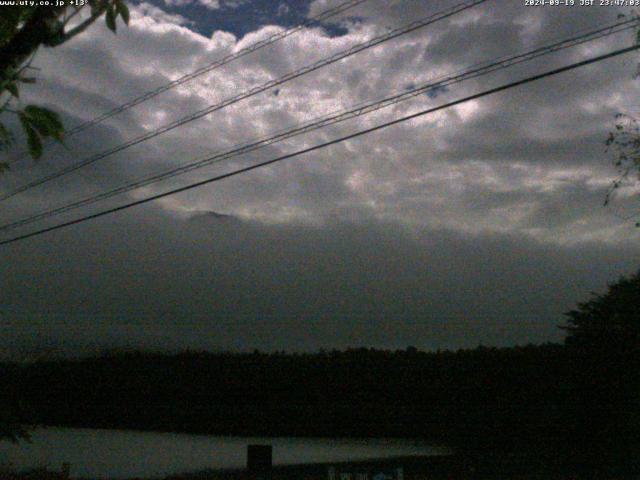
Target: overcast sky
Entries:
(480, 224)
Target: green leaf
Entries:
(123, 10)
(45, 121)
(6, 137)
(33, 140)
(110, 18)
(4, 166)
(51, 117)
(12, 88)
(35, 145)
(99, 6)
(9, 23)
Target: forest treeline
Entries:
(550, 399)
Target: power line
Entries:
(225, 60)
(318, 19)
(484, 93)
(480, 69)
(251, 92)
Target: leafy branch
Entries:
(624, 141)
(23, 29)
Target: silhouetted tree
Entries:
(604, 338)
(610, 321)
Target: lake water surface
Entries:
(125, 454)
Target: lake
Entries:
(123, 454)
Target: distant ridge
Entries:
(203, 216)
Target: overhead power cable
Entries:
(223, 61)
(317, 20)
(217, 178)
(356, 111)
(251, 92)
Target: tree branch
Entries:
(36, 31)
(81, 27)
(68, 19)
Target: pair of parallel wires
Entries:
(413, 26)
(362, 109)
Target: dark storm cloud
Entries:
(215, 282)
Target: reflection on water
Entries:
(122, 454)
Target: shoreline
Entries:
(414, 467)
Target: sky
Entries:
(478, 224)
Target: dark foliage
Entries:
(608, 322)
(570, 406)
(604, 344)
(522, 399)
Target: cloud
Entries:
(158, 15)
(541, 129)
(210, 4)
(515, 182)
